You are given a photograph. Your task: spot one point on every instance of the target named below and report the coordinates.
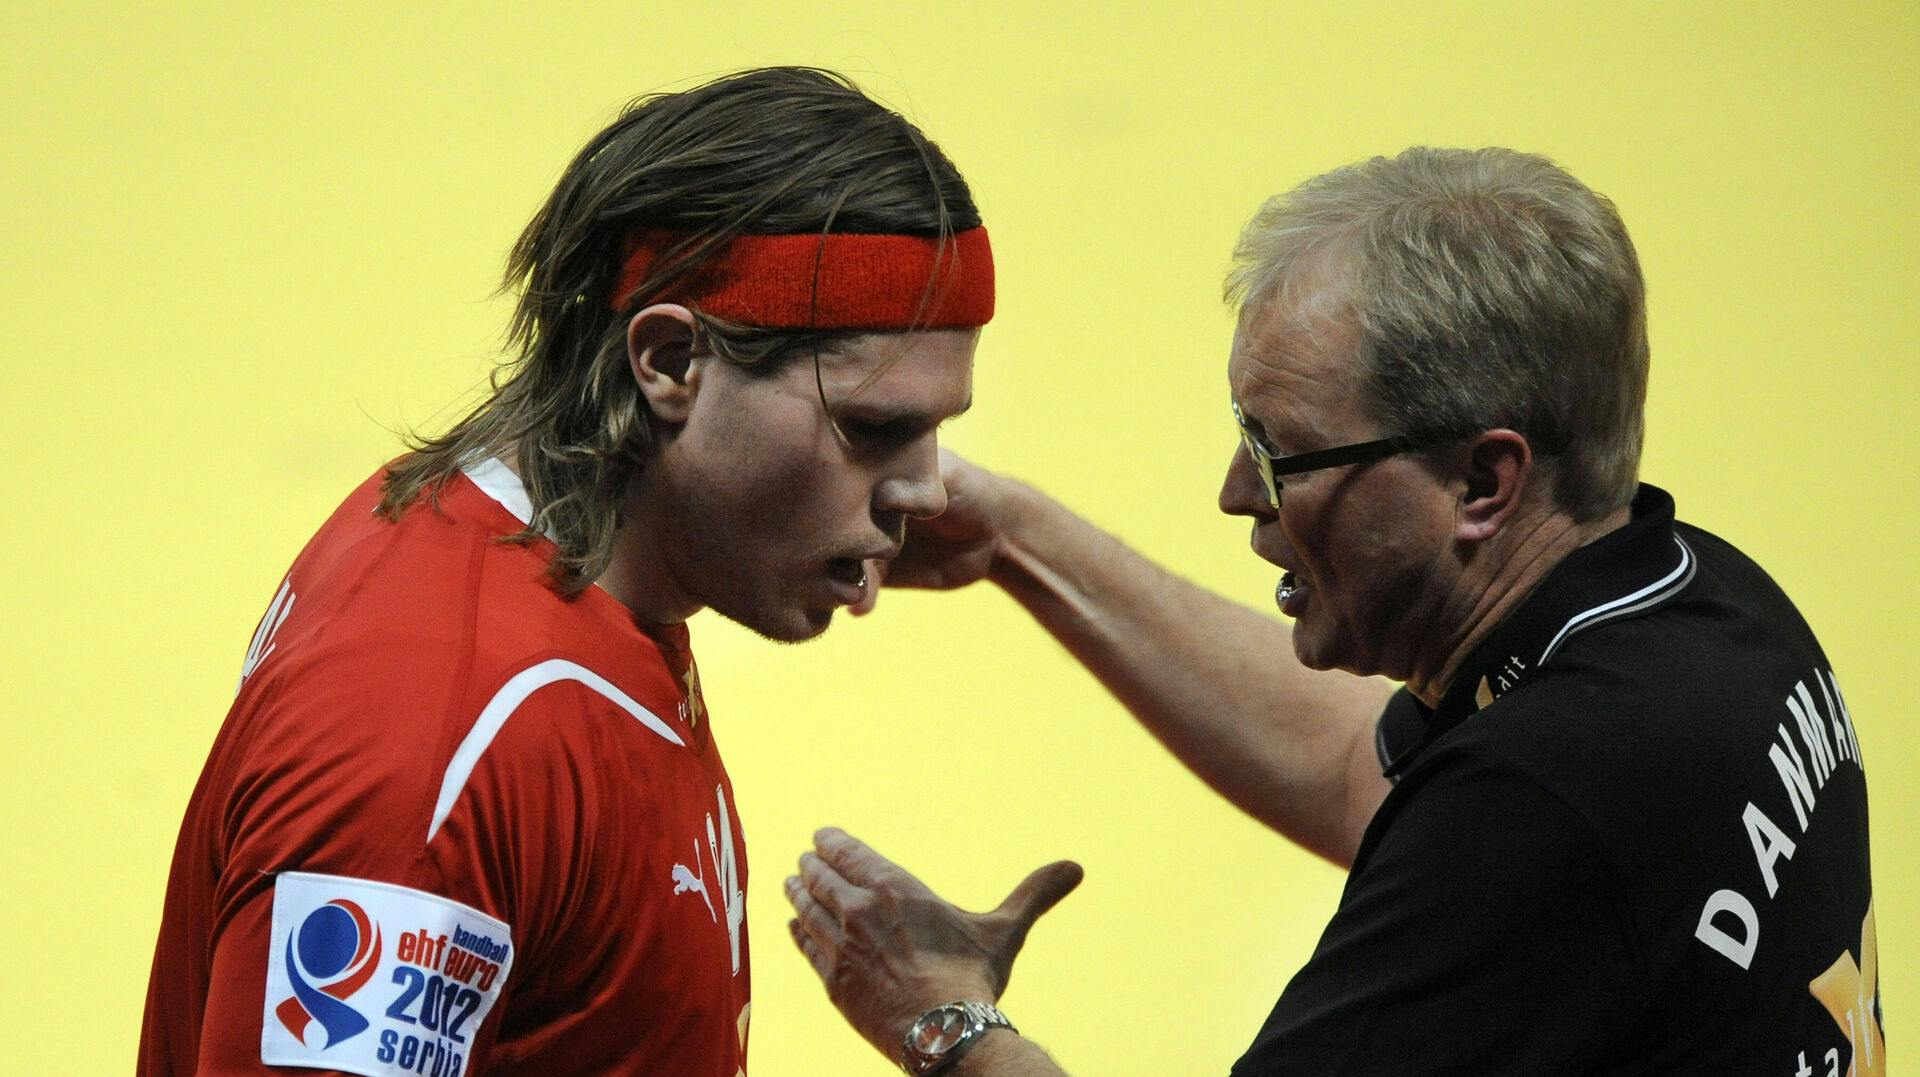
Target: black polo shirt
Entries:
(1632, 839)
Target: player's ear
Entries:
(1496, 467)
(662, 344)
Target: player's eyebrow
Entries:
(875, 412)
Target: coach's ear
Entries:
(661, 345)
(1496, 467)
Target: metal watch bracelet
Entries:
(941, 1036)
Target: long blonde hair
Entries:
(773, 150)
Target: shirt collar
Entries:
(1622, 574)
(497, 481)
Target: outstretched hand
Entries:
(888, 948)
(950, 550)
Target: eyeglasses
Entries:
(1272, 466)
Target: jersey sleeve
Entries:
(1484, 933)
(374, 900)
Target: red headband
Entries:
(841, 280)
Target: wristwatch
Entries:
(944, 1033)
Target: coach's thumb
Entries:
(1040, 892)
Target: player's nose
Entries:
(915, 490)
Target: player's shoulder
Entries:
(429, 589)
(384, 627)
(391, 640)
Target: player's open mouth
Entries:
(847, 570)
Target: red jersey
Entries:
(454, 824)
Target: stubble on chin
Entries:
(777, 622)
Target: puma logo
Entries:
(685, 880)
(723, 854)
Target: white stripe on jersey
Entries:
(507, 700)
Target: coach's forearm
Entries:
(1005, 1054)
(1216, 682)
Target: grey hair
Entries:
(1490, 289)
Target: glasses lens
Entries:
(1263, 464)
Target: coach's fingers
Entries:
(815, 954)
(828, 886)
(813, 919)
(855, 860)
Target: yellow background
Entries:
(246, 241)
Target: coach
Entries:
(1614, 820)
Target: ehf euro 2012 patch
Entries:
(371, 978)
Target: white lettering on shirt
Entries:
(727, 874)
(722, 852)
(1729, 922)
(263, 642)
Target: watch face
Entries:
(937, 1032)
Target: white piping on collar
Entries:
(498, 481)
(1652, 594)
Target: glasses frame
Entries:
(1274, 466)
